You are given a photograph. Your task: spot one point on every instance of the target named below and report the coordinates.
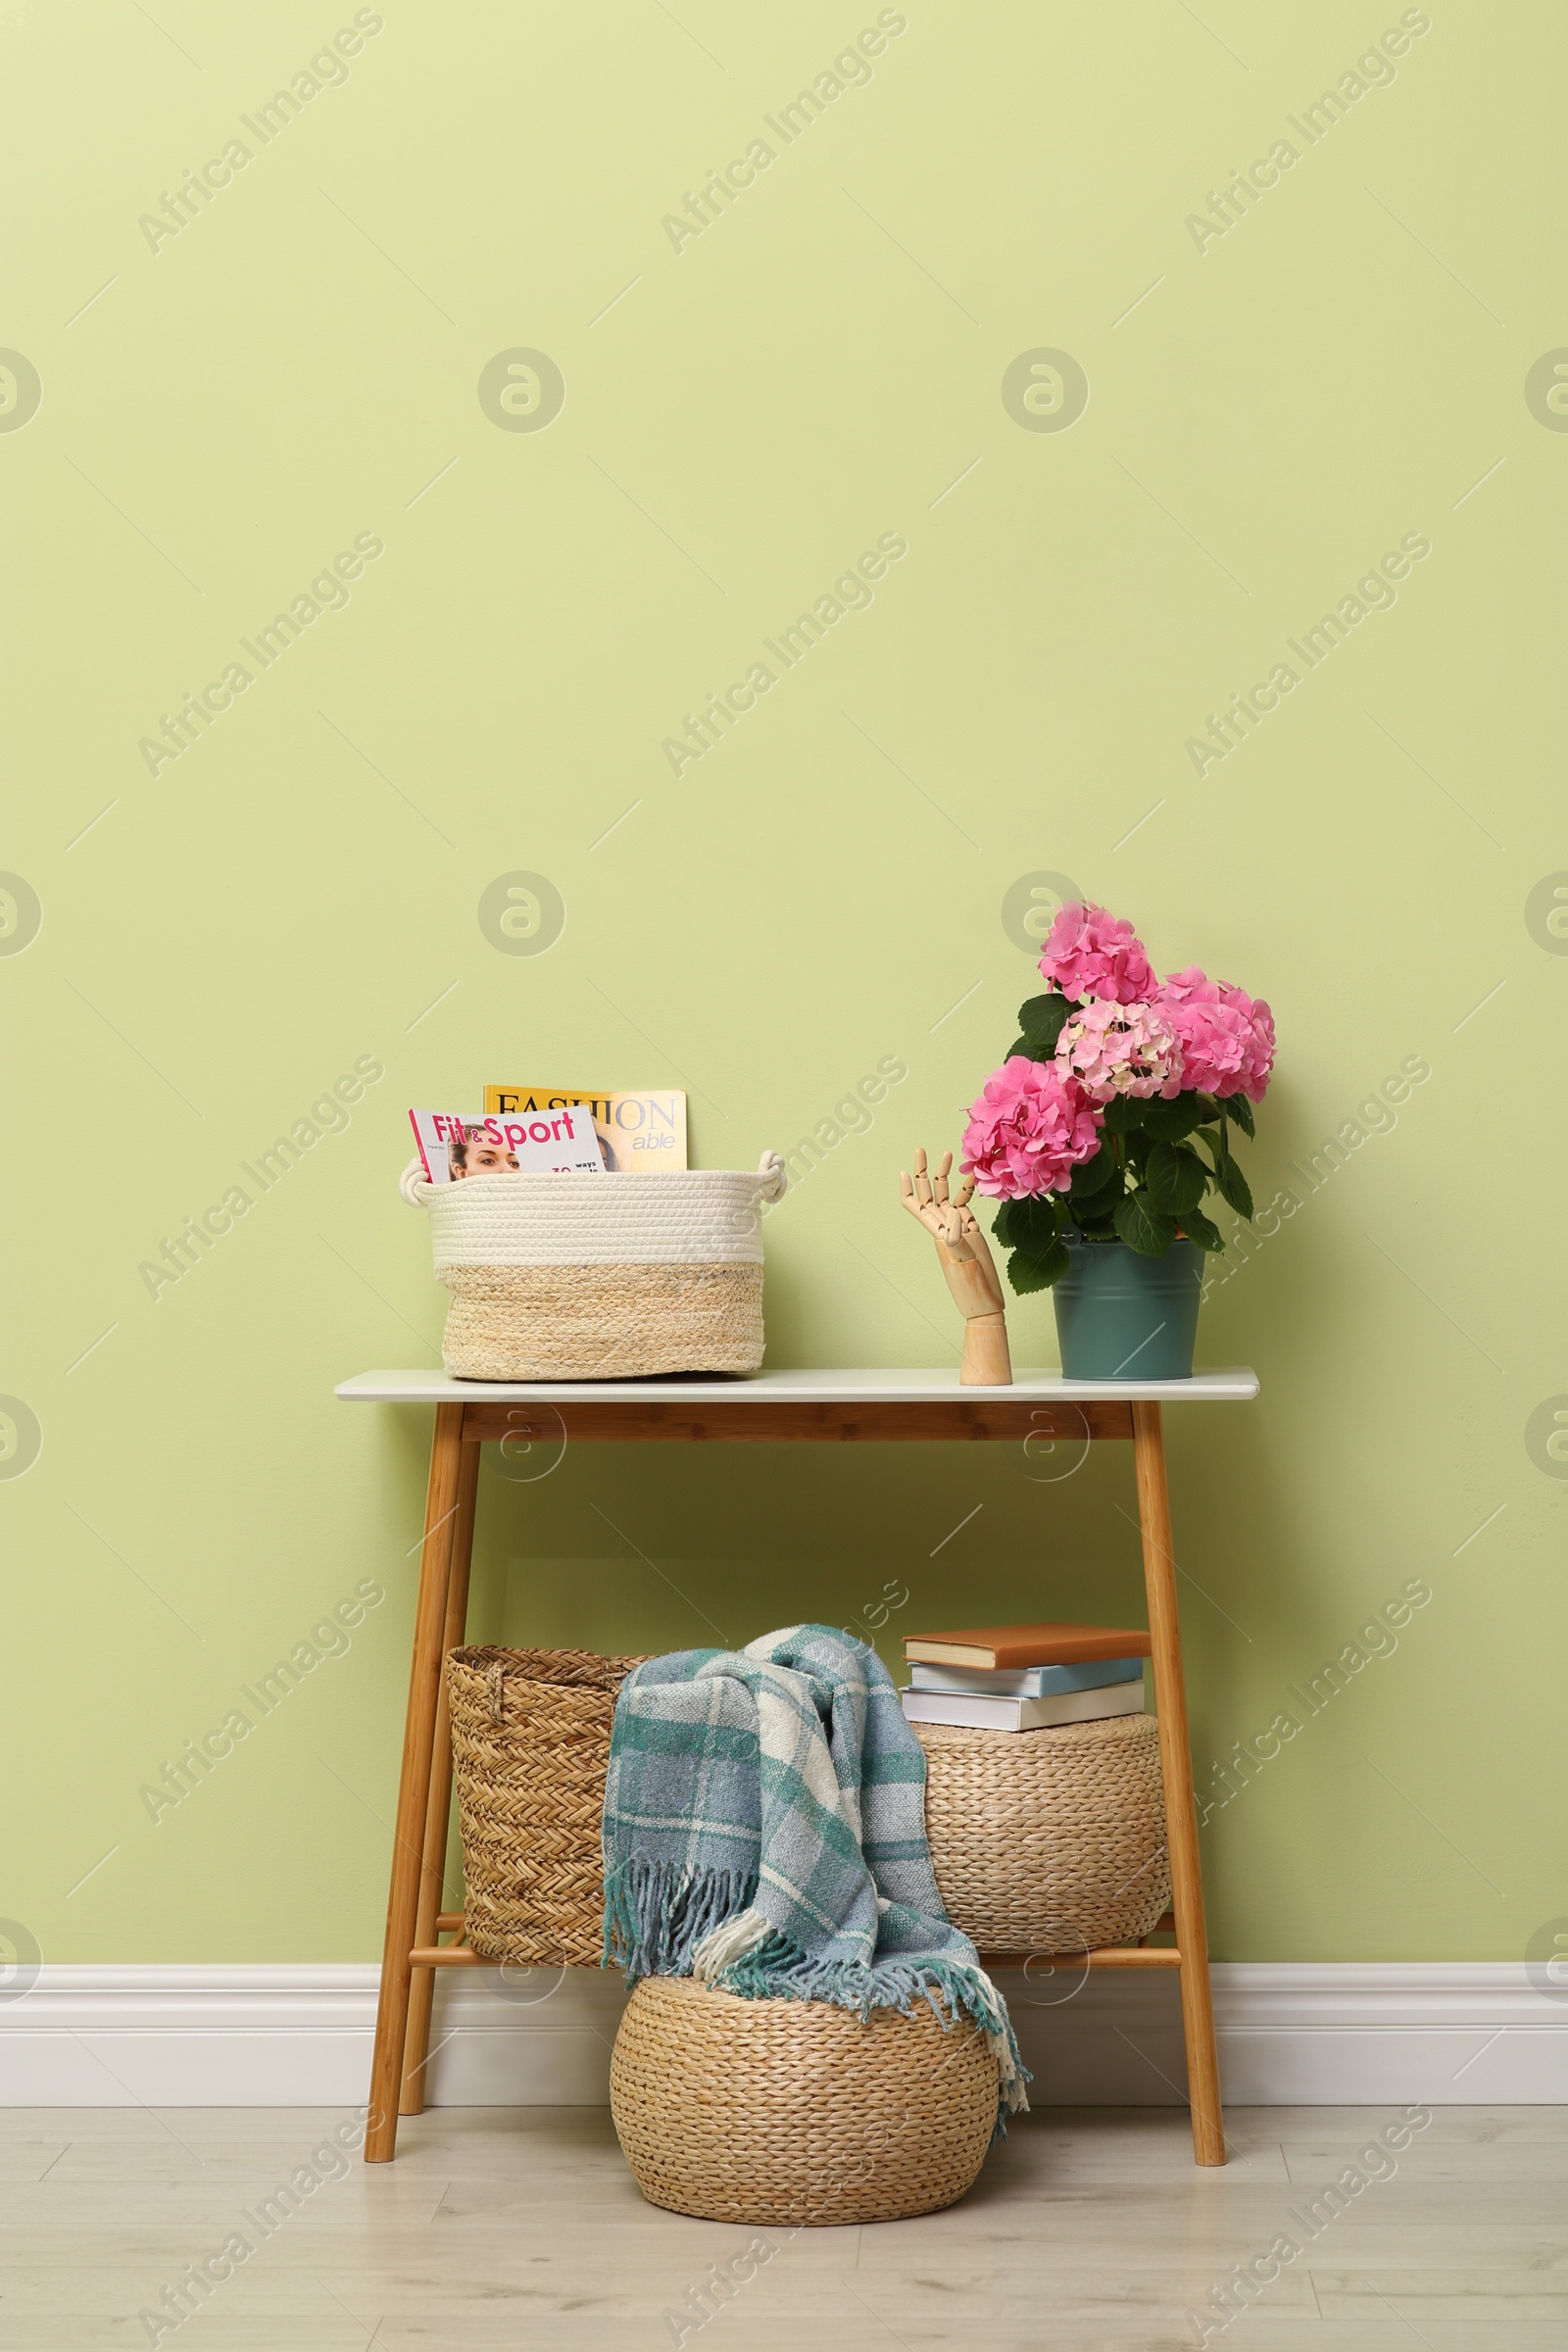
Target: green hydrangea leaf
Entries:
(1041, 1021)
(1142, 1227)
(1234, 1185)
(1091, 1176)
(1029, 1272)
(1033, 1224)
(1177, 1178)
(1171, 1121)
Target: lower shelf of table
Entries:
(1110, 1955)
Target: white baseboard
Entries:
(1291, 2034)
(1309, 2034)
(299, 2036)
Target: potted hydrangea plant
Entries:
(1103, 1132)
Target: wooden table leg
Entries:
(414, 1785)
(1176, 1765)
(438, 1811)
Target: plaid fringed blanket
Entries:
(764, 1831)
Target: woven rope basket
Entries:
(530, 1749)
(1049, 1840)
(778, 2113)
(599, 1277)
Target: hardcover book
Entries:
(1050, 1644)
(1027, 1682)
(977, 1713)
(637, 1132)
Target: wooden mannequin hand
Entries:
(964, 1255)
(961, 1246)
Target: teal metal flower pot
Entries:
(1124, 1316)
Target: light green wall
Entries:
(824, 890)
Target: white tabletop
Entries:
(1235, 1384)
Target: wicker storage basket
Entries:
(1051, 1841)
(787, 2112)
(599, 1277)
(530, 1747)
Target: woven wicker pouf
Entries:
(779, 2113)
(1051, 1840)
(530, 1747)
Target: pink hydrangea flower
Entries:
(1261, 1058)
(1115, 1049)
(1028, 1131)
(1227, 1037)
(1090, 953)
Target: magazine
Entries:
(561, 1143)
(637, 1132)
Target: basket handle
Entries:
(774, 1175)
(494, 1681)
(413, 1185)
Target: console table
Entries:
(769, 1407)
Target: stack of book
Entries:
(1024, 1678)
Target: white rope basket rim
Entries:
(680, 1217)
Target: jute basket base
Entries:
(601, 1322)
(784, 2113)
(1051, 1840)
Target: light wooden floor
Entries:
(523, 2228)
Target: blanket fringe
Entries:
(726, 1947)
(657, 1912)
